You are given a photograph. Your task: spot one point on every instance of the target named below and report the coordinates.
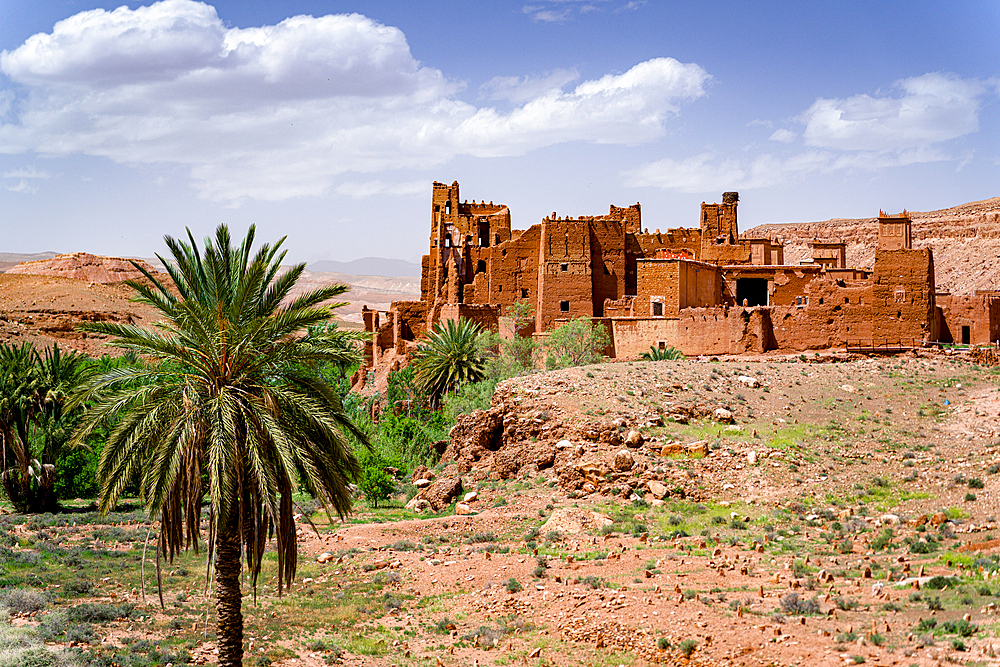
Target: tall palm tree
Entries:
(449, 358)
(232, 397)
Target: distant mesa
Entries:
(84, 266)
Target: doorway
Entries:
(753, 290)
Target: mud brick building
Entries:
(703, 290)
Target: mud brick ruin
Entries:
(704, 291)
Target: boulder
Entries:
(464, 509)
(441, 493)
(623, 461)
(418, 505)
(470, 497)
(422, 483)
(575, 520)
(634, 439)
(658, 490)
(671, 448)
(748, 381)
(752, 457)
(473, 436)
(723, 415)
(697, 448)
(324, 557)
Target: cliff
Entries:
(83, 266)
(965, 240)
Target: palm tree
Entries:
(449, 358)
(232, 396)
(35, 424)
(656, 354)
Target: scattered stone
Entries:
(658, 490)
(623, 461)
(575, 520)
(723, 415)
(634, 439)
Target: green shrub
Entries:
(687, 647)
(513, 585)
(975, 483)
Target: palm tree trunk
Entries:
(230, 598)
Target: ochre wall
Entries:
(981, 313)
(903, 296)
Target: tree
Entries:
(35, 422)
(576, 343)
(231, 408)
(449, 358)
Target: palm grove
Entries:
(234, 403)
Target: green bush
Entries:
(376, 485)
(576, 343)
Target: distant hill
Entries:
(369, 266)
(9, 259)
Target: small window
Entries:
(524, 292)
(798, 301)
(447, 207)
(437, 208)
(847, 299)
(900, 295)
(657, 309)
(821, 301)
(564, 267)
(481, 266)
(447, 240)
(499, 288)
(564, 306)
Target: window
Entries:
(564, 267)
(481, 266)
(437, 208)
(524, 292)
(447, 240)
(657, 309)
(966, 335)
(900, 295)
(847, 299)
(564, 306)
(798, 301)
(447, 207)
(821, 301)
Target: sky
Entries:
(327, 121)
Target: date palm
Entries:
(231, 409)
(448, 358)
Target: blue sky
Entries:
(328, 121)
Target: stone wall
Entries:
(698, 331)
(903, 308)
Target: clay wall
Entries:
(409, 320)
(607, 262)
(968, 319)
(765, 253)
(903, 297)
(894, 231)
(697, 331)
(723, 253)
(832, 255)
(565, 284)
(513, 274)
(484, 315)
(676, 284)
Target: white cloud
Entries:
(933, 108)
(521, 89)
(22, 186)
(783, 135)
(560, 11)
(25, 172)
(362, 189)
(286, 110)
(710, 173)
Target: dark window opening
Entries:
(437, 208)
(468, 239)
(564, 267)
(447, 240)
(657, 309)
(821, 301)
(847, 300)
(484, 234)
(752, 290)
(481, 266)
(447, 207)
(499, 288)
(564, 306)
(966, 335)
(524, 292)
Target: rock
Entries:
(464, 509)
(699, 448)
(889, 519)
(470, 497)
(939, 518)
(422, 483)
(671, 448)
(564, 444)
(473, 436)
(623, 460)
(545, 455)
(723, 415)
(441, 493)
(748, 381)
(324, 557)
(658, 490)
(848, 388)
(418, 473)
(575, 520)
(752, 457)
(588, 487)
(418, 505)
(84, 266)
(634, 439)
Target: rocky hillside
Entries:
(965, 240)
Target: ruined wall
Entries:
(697, 331)
(513, 272)
(676, 284)
(607, 261)
(484, 315)
(565, 285)
(903, 297)
(979, 312)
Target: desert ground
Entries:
(817, 509)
